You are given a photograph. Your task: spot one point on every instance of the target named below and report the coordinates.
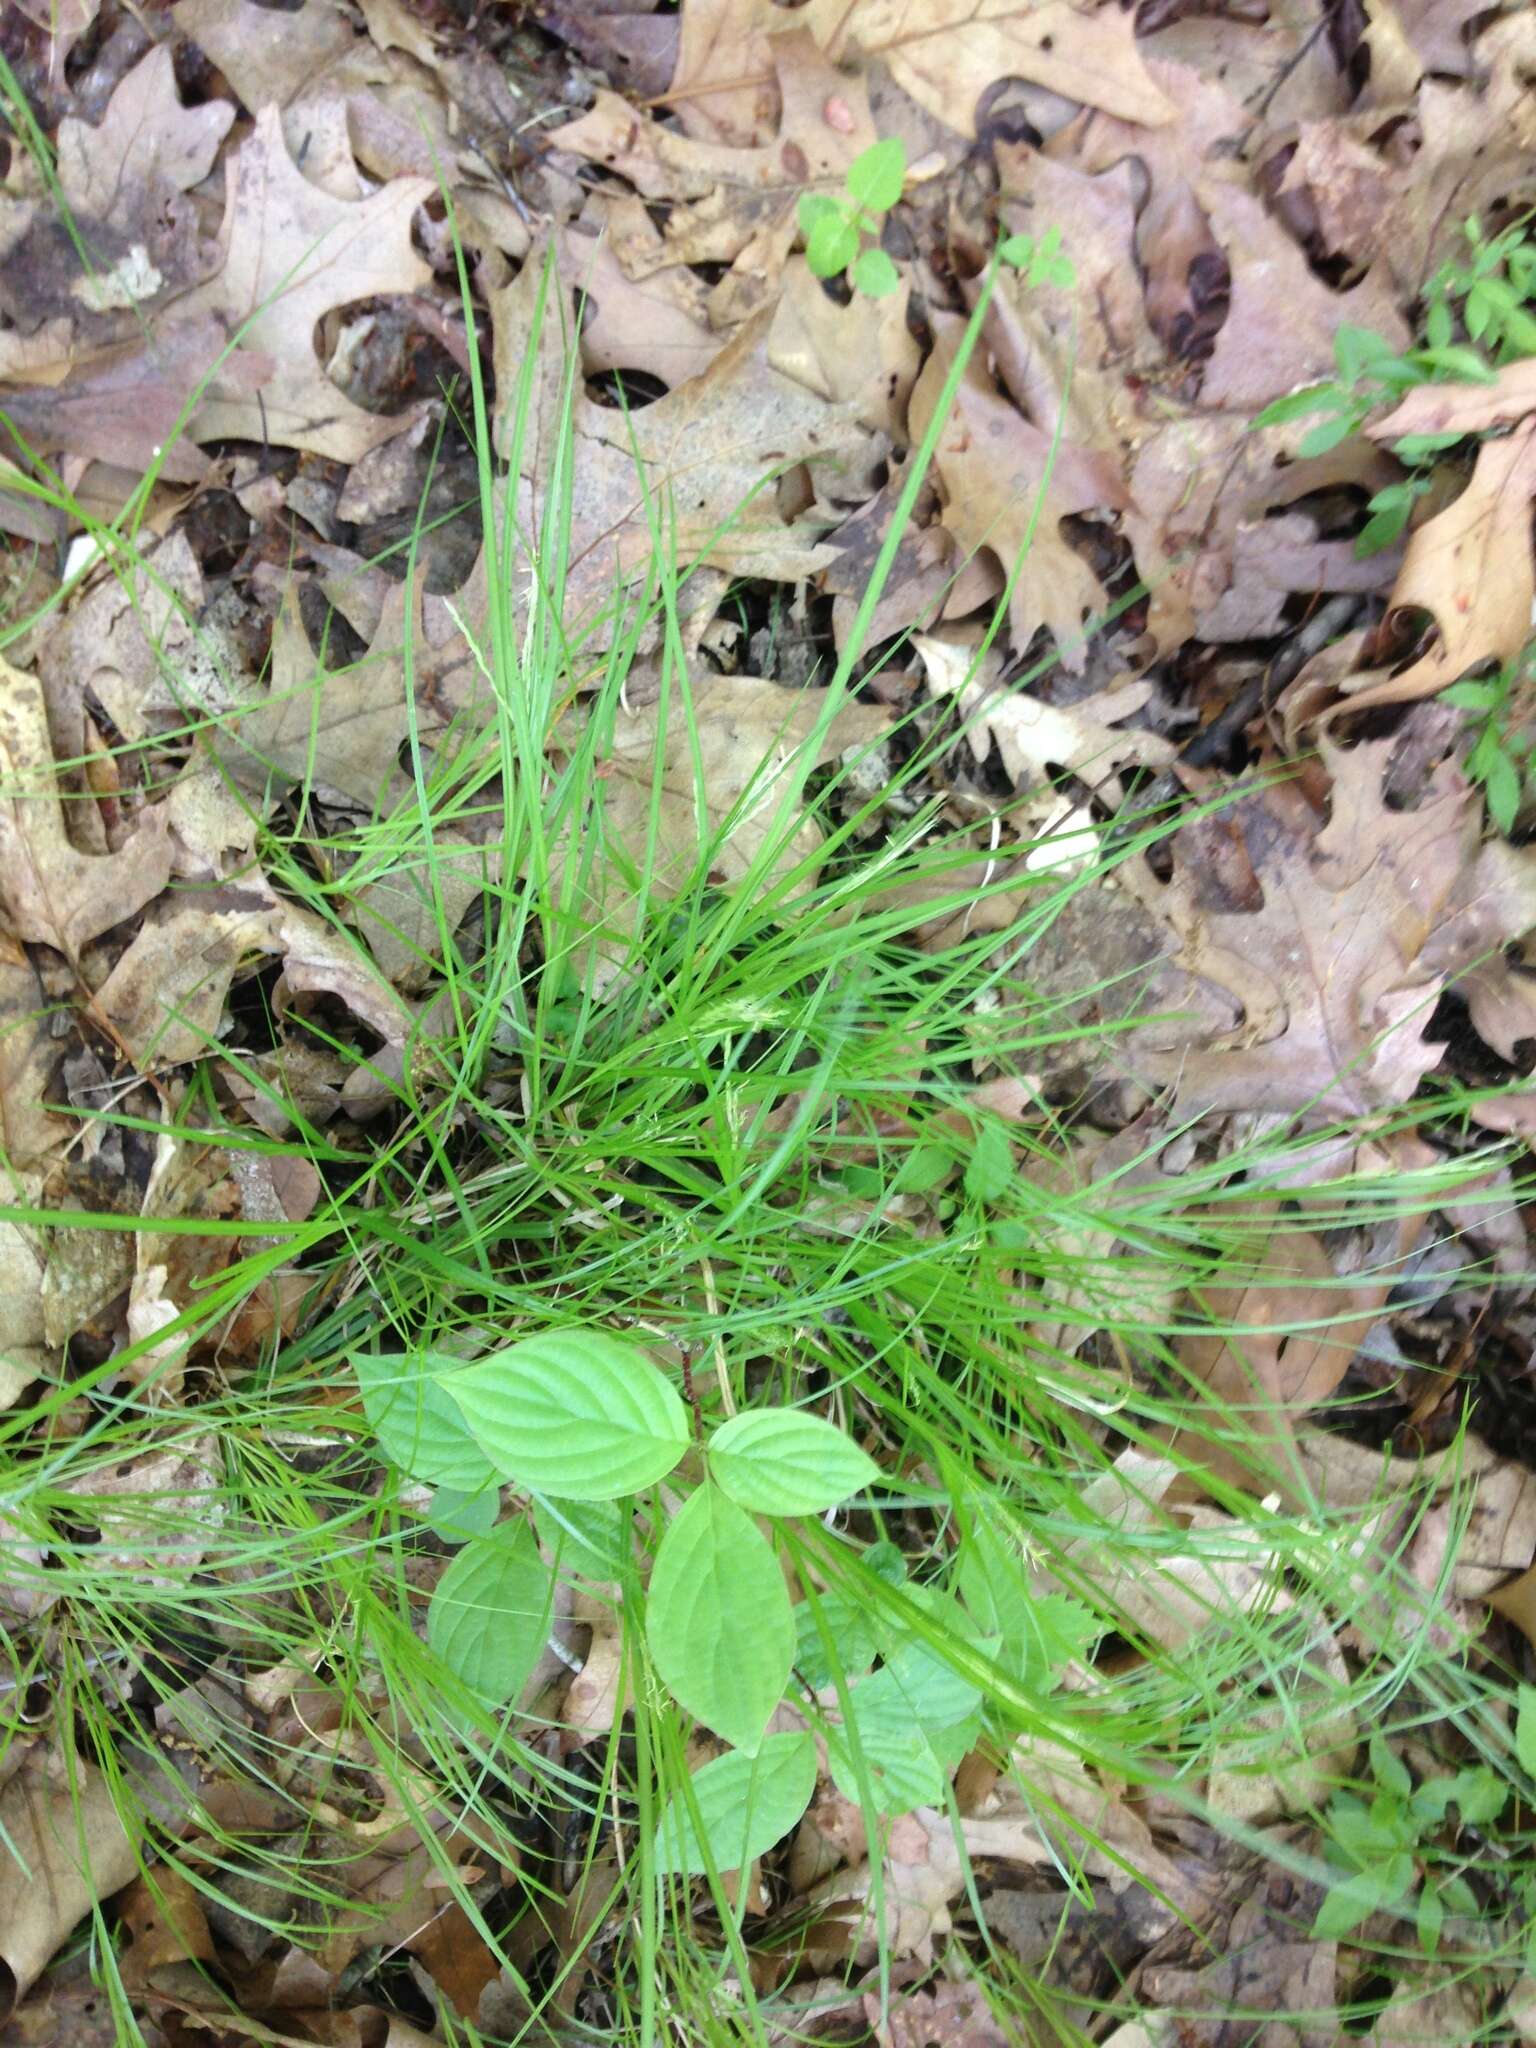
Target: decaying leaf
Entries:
(51, 894)
(1321, 938)
(289, 254)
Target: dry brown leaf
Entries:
(147, 145)
(290, 254)
(1276, 560)
(1077, 353)
(340, 731)
(1266, 1369)
(1463, 408)
(861, 355)
(1279, 330)
(29, 1054)
(1476, 152)
(945, 53)
(271, 56)
(1006, 487)
(51, 894)
(1271, 1965)
(1035, 739)
(654, 321)
(165, 997)
(743, 209)
(707, 455)
(63, 1849)
(1319, 934)
(1470, 568)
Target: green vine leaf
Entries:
(489, 1617)
(737, 1807)
(418, 1425)
(779, 1461)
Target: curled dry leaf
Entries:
(1036, 739)
(166, 995)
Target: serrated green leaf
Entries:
(831, 244)
(877, 174)
(418, 1426)
(577, 1413)
(989, 1170)
(741, 1806)
(718, 1620)
(875, 274)
(489, 1617)
(781, 1461)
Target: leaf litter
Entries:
(232, 318)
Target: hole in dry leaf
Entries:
(625, 390)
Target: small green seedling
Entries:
(1478, 316)
(1384, 1845)
(1502, 759)
(841, 229)
(585, 1427)
(1040, 259)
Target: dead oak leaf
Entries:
(1471, 569)
(1006, 486)
(146, 145)
(51, 894)
(742, 203)
(292, 253)
(1325, 952)
(944, 53)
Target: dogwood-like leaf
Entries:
(780, 1461)
(737, 1807)
(489, 1616)
(419, 1427)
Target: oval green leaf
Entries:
(578, 1413)
(781, 1461)
(718, 1620)
(877, 174)
(875, 274)
(418, 1426)
(740, 1806)
(489, 1617)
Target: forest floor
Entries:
(833, 708)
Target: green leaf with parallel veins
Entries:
(573, 1412)
(718, 1620)
(418, 1426)
(489, 1617)
(744, 1805)
(780, 1461)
